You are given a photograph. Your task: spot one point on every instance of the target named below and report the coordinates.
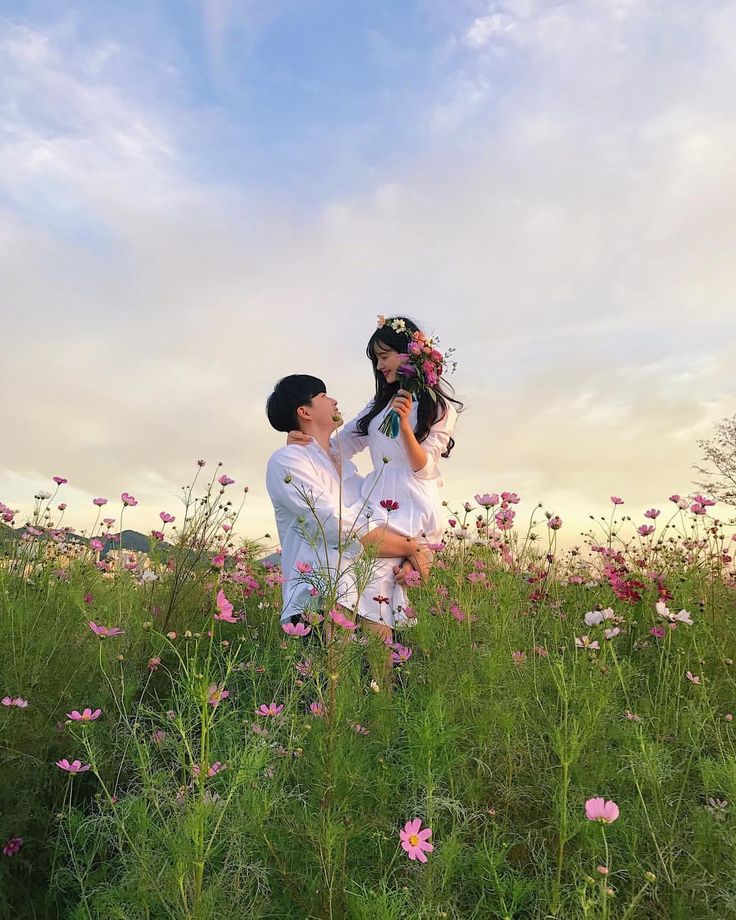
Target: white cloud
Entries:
(569, 230)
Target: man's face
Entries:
(322, 412)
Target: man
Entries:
(322, 523)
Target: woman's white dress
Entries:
(418, 495)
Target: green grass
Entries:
(497, 755)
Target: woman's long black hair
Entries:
(428, 410)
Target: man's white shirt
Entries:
(319, 516)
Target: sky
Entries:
(198, 197)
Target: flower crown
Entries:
(398, 325)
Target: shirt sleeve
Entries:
(435, 444)
(346, 442)
(293, 485)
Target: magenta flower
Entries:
(412, 578)
(296, 630)
(657, 632)
(218, 561)
(511, 497)
(400, 654)
(693, 678)
(598, 809)
(415, 840)
(12, 846)
(16, 701)
(645, 529)
(341, 620)
(389, 505)
(486, 500)
(104, 632)
(62, 506)
(675, 498)
(87, 715)
(224, 609)
(555, 522)
(76, 766)
(166, 517)
(616, 500)
(318, 710)
(128, 500)
(96, 544)
(653, 513)
(225, 480)
(99, 502)
(273, 709)
(304, 568)
(216, 693)
(59, 480)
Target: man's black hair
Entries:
(288, 394)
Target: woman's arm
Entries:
(424, 458)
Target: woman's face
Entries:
(388, 361)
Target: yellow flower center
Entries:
(413, 839)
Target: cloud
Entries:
(567, 227)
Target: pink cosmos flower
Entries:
(318, 710)
(486, 500)
(584, 642)
(87, 715)
(273, 709)
(225, 480)
(62, 506)
(616, 500)
(645, 529)
(218, 561)
(518, 657)
(224, 609)
(158, 736)
(611, 633)
(76, 766)
(400, 654)
(511, 497)
(358, 728)
(657, 632)
(632, 716)
(128, 500)
(412, 578)
(505, 518)
(653, 513)
(415, 840)
(166, 517)
(682, 617)
(389, 505)
(154, 663)
(104, 632)
(296, 630)
(693, 678)
(555, 522)
(96, 544)
(603, 811)
(59, 480)
(675, 498)
(341, 620)
(12, 846)
(705, 502)
(99, 502)
(304, 568)
(216, 693)
(16, 701)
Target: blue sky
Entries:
(199, 197)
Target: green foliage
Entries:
(496, 753)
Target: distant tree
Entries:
(719, 455)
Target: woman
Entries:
(406, 470)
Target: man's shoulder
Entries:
(289, 454)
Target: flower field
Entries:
(555, 739)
